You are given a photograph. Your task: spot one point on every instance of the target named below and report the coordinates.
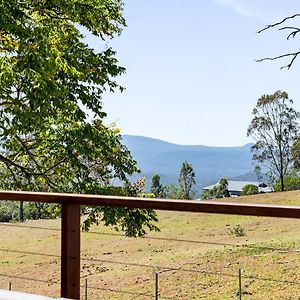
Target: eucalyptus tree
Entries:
(187, 180)
(275, 128)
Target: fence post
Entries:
(70, 251)
(86, 289)
(156, 286)
(9, 286)
(240, 284)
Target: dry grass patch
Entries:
(196, 254)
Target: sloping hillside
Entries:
(210, 163)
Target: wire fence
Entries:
(250, 246)
(160, 279)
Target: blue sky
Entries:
(191, 76)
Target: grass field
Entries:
(196, 255)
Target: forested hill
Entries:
(210, 163)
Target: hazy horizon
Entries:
(179, 144)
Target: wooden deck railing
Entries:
(70, 220)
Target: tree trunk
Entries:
(21, 211)
(281, 181)
(39, 210)
(281, 165)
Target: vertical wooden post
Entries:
(70, 251)
(86, 289)
(240, 284)
(156, 286)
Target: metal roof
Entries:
(237, 186)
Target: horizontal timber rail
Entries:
(216, 207)
(70, 220)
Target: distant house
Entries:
(235, 187)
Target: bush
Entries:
(249, 189)
(291, 183)
(220, 190)
(8, 211)
(238, 230)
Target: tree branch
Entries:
(31, 155)
(294, 56)
(12, 173)
(56, 165)
(10, 162)
(278, 23)
(295, 31)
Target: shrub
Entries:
(291, 183)
(8, 211)
(249, 189)
(220, 190)
(238, 230)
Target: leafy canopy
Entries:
(291, 183)
(49, 79)
(250, 189)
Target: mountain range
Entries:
(210, 164)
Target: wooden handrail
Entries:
(216, 207)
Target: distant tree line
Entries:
(275, 130)
(184, 189)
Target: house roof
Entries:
(237, 186)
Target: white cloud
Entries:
(243, 9)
